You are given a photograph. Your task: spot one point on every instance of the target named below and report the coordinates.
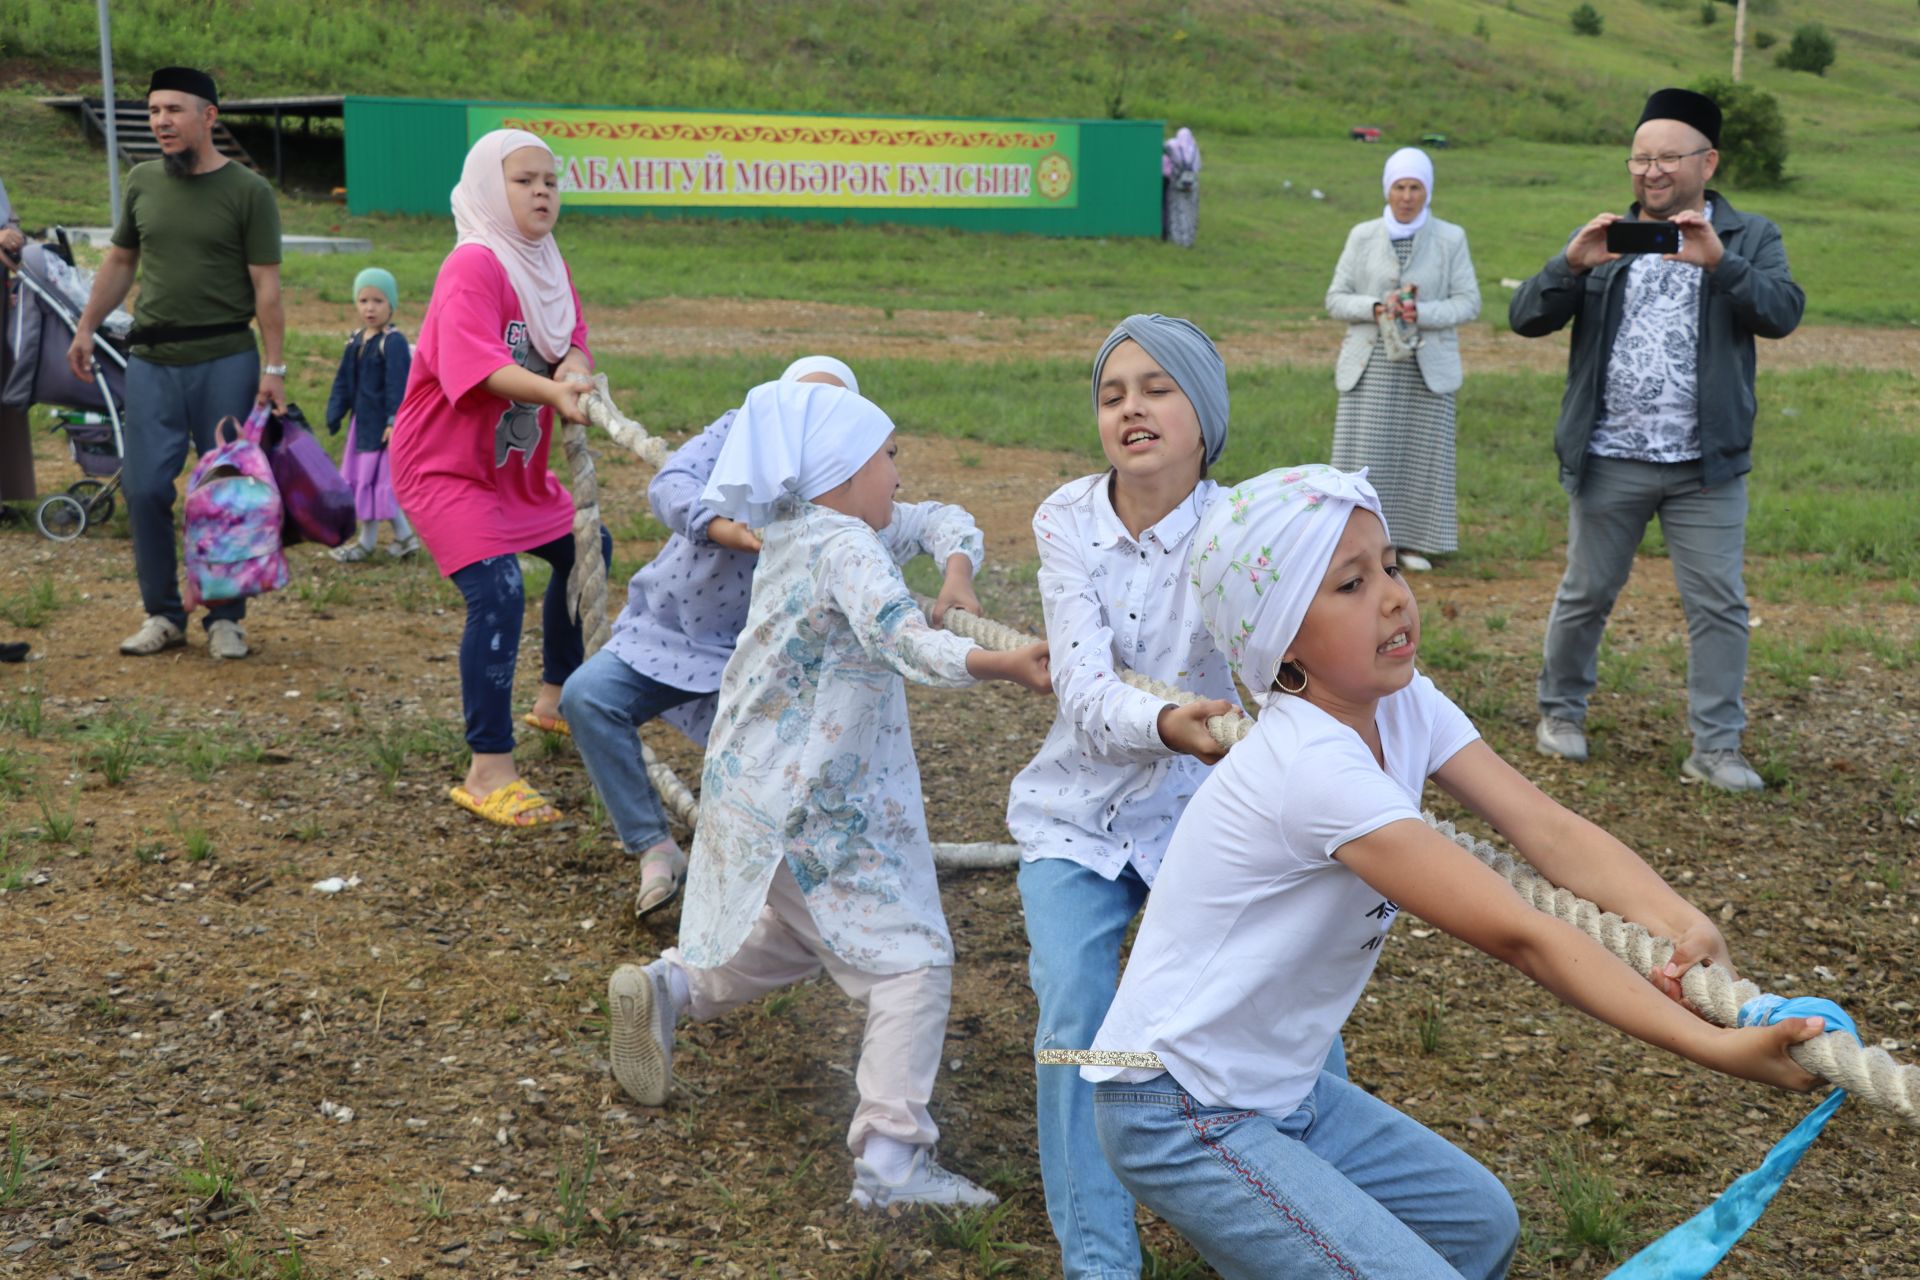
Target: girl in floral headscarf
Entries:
(1293, 860)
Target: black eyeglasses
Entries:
(1640, 166)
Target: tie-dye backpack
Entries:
(233, 520)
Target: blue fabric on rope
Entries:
(1696, 1246)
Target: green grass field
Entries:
(1838, 451)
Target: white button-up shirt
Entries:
(1104, 790)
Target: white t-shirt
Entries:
(1254, 949)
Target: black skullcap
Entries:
(200, 84)
(1688, 107)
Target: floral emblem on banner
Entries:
(1053, 176)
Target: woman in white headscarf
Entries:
(1404, 283)
(502, 336)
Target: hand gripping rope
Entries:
(1870, 1074)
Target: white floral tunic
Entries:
(810, 758)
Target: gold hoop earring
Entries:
(1280, 682)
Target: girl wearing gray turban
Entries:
(1094, 809)
(1404, 283)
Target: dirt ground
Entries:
(184, 1014)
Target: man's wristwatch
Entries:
(273, 371)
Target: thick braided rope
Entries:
(626, 433)
(587, 583)
(1872, 1075)
(988, 634)
(680, 802)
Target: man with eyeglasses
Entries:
(1657, 420)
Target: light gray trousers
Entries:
(1705, 531)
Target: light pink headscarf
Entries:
(538, 273)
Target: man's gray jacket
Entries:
(1751, 293)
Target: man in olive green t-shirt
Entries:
(203, 235)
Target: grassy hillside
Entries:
(1480, 69)
(1272, 86)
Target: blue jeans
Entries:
(1345, 1186)
(490, 646)
(1706, 532)
(171, 406)
(1076, 922)
(605, 702)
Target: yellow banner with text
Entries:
(721, 160)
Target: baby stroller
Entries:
(52, 295)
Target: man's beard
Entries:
(178, 164)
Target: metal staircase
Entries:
(136, 139)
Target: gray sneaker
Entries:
(156, 635)
(926, 1183)
(1726, 769)
(1554, 736)
(227, 639)
(640, 1005)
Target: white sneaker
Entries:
(155, 635)
(1554, 736)
(1726, 769)
(640, 1006)
(1414, 562)
(226, 639)
(926, 1183)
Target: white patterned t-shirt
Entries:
(1651, 412)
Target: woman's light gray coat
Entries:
(1449, 297)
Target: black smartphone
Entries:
(1643, 237)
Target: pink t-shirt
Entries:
(470, 468)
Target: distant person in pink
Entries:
(501, 338)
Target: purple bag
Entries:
(316, 497)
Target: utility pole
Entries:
(113, 132)
(1739, 35)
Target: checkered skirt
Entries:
(1392, 424)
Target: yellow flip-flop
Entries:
(510, 806)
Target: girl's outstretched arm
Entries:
(1575, 854)
(1427, 874)
(1114, 722)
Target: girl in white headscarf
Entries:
(685, 608)
(502, 336)
(811, 851)
(1404, 284)
(1293, 861)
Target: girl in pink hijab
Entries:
(501, 337)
